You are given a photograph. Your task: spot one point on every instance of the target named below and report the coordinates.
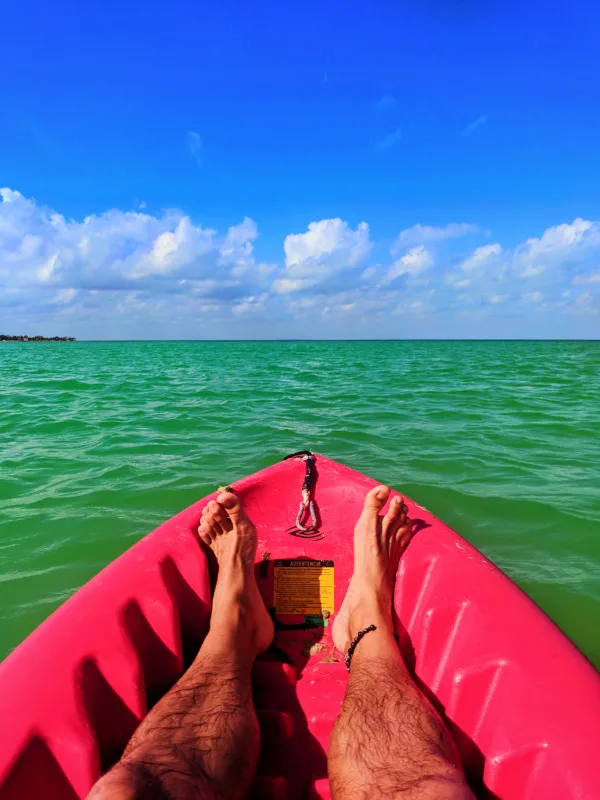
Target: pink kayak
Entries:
(521, 701)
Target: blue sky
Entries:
(189, 170)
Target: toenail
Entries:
(381, 494)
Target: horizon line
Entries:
(432, 339)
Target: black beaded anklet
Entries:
(355, 641)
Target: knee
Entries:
(126, 782)
(451, 786)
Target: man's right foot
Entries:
(378, 544)
(238, 610)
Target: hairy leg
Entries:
(388, 741)
(201, 740)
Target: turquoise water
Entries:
(100, 442)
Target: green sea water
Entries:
(100, 442)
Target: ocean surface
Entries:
(100, 442)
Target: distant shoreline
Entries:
(5, 338)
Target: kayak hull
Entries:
(521, 702)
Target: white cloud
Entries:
(330, 242)
(482, 256)
(64, 297)
(582, 280)
(386, 103)
(290, 285)
(472, 126)
(329, 248)
(173, 250)
(533, 297)
(415, 261)
(48, 268)
(532, 272)
(586, 304)
(420, 234)
(195, 146)
(560, 245)
(562, 256)
(238, 244)
(559, 238)
(237, 253)
(156, 268)
(369, 273)
(54, 258)
(389, 140)
(250, 305)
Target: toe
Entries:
(394, 513)
(404, 533)
(219, 517)
(211, 519)
(233, 506)
(376, 499)
(205, 531)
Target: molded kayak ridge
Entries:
(521, 701)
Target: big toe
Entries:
(376, 499)
(232, 505)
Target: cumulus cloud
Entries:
(415, 261)
(328, 249)
(369, 273)
(481, 256)
(559, 246)
(64, 297)
(161, 267)
(533, 297)
(586, 304)
(251, 305)
(419, 234)
(582, 280)
(460, 283)
(173, 250)
(60, 261)
(562, 256)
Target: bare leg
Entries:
(388, 740)
(201, 740)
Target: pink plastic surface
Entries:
(521, 701)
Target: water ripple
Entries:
(102, 441)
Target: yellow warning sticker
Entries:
(304, 586)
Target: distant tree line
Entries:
(5, 338)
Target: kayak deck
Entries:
(520, 700)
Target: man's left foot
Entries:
(379, 542)
(238, 608)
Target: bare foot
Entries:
(378, 544)
(238, 608)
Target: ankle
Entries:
(231, 641)
(371, 612)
